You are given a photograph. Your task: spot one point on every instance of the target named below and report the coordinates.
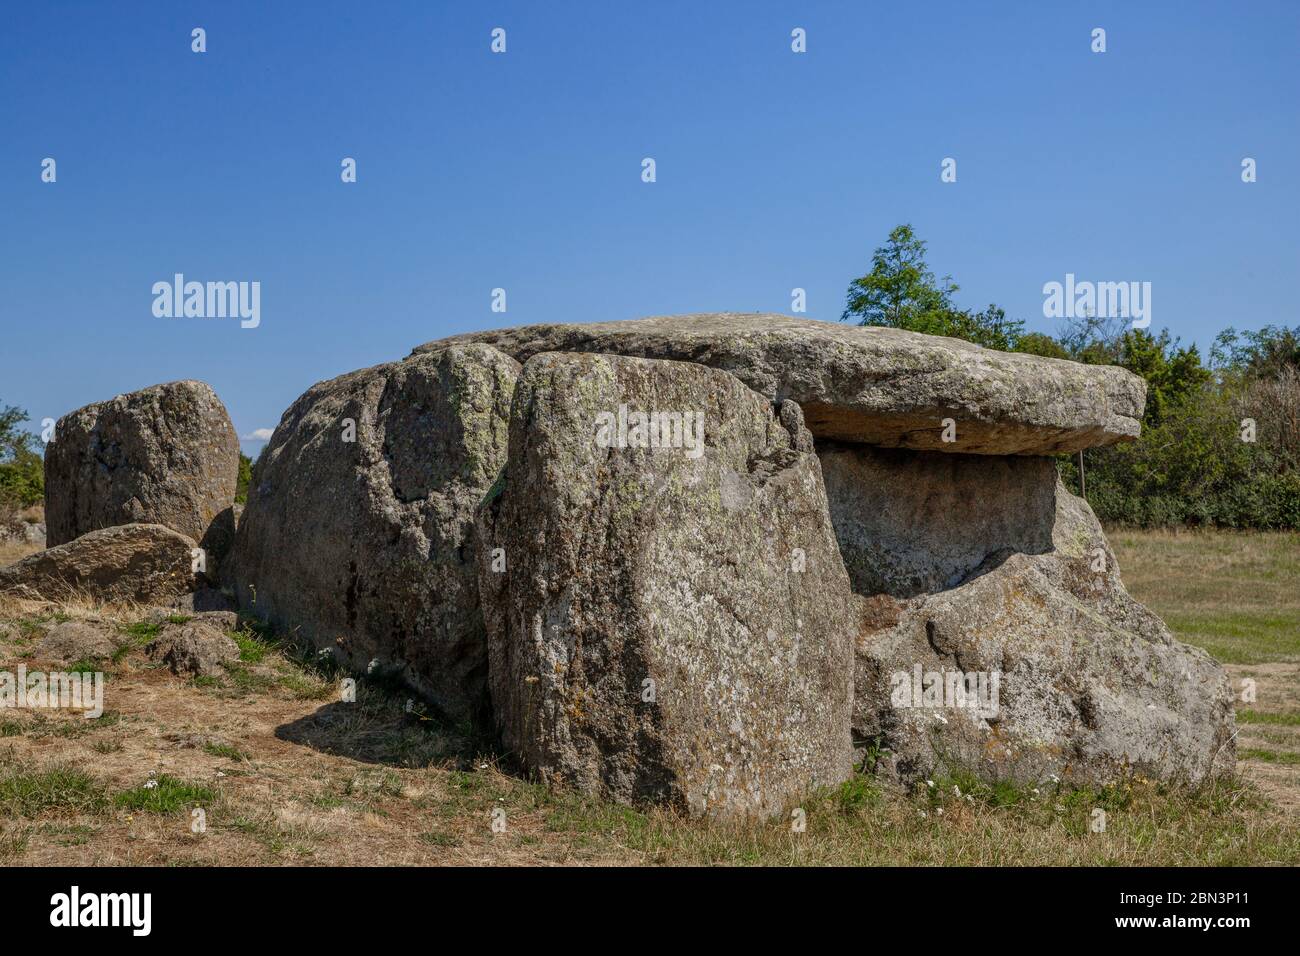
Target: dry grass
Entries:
(285, 774)
(1236, 594)
(14, 551)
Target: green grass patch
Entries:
(227, 751)
(252, 647)
(167, 796)
(1287, 758)
(142, 631)
(1263, 717)
(28, 792)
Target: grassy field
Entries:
(1238, 596)
(285, 774)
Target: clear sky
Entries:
(522, 170)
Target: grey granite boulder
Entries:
(1039, 664)
(875, 386)
(358, 531)
(133, 563)
(669, 619)
(164, 455)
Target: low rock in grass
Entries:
(193, 649)
(75, 641)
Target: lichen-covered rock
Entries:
(666, 624)
(164, 455)
(358, 531)
(876, 386)
(133, 563)
(193, 649)
(1038, 665)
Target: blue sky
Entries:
(522, 171)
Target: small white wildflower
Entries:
(153, 773)
(939, 811)
(930, 784)
(482, 766)
(220, 773)
(941, 718)
(956, 791)
(1060, 809)
(150, 784)
(1034, 791)
(1054, 778)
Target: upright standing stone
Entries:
(164, 455)
(666, 624)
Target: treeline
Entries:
(1220, 442)
(22, 468)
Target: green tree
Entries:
(22, 469)
(1174, 375)
(901, 292)
(900, 288)
(245, 476)
(1037, 343)
(1264, 354)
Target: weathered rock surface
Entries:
(133, 563)
(1090, 684)
(164, 455)
(875, 386)
(912, 523)
(367, 546)
(714, 576)
(72, 641)
(193, 649)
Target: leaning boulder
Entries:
(358, 532)
(133, 563)
(873, 385)
(669, 619)
(1038, 665)
(164, 455)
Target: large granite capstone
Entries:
(871, 385)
